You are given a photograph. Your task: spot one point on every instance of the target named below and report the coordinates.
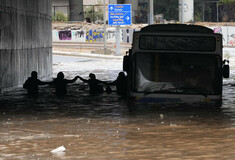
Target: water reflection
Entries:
(103, 127)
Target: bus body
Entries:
(175, 63)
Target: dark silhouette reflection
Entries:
(32, 83)
(121, 84)
(60, 83)
(94, 84)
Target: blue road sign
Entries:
(120, 14)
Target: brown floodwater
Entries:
(103, 127)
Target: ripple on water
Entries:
(102, 127)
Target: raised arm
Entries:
(72, 80)
(103, 82)
(82, 79)
(43, 83)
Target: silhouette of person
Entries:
(32, 83)
(121, 84)
(60, 83)
(94, 84)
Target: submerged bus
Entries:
(175, 63)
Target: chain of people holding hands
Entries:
(60, 82)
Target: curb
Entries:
(92, 55)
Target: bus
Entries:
(175, 63)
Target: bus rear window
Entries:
(177, 43)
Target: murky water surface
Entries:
(102, 127)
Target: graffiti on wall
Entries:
(111, 33)
(97, 35)
(218, 30)
(94, 35)
(79, 34)
(89, 36)
(127, 35)
(228, 38)
(232, 40)
(65, 35)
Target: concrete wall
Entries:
(25, 41)
(91, 35)
(228, 33)
(188, 11)
(96, 35)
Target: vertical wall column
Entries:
(186, 11)
(25, 41)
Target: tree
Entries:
(227, 10)
(94, 12)
(169, 8)
(205, 10)
(60, 17)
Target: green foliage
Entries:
(205, 10)
(198, 14)
(169, 8)
(60, 17)
(227, 1)
(53, 18)
(227, 9)
(94, 13)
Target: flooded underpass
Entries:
(103, 127)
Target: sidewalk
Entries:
(91, 55)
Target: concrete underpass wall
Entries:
(25, 41)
